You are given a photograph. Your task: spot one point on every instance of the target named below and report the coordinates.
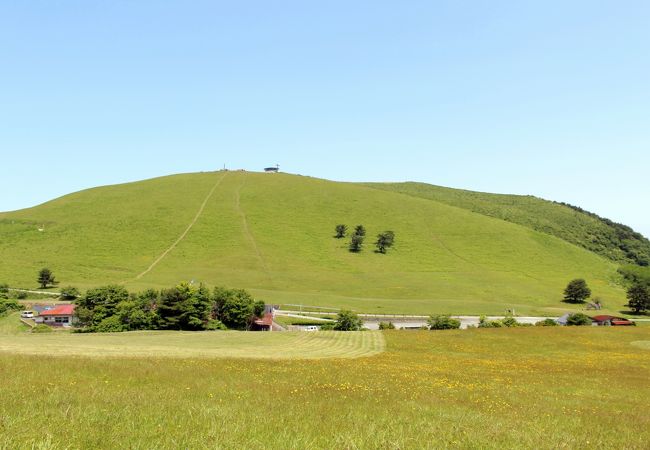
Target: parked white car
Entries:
(27, 314)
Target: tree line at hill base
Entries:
(183, 307)
(445, 322)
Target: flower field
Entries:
(485, 388)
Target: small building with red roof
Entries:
(265, 323)
(59, 316)
(606, 320)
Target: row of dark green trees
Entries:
(183, 307)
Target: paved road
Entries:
(371, 321)
(465, 321)
(300, 316)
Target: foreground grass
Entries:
(501, 388)
(11, 324)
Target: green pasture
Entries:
(483, 388)
(272, 234)
(11, 325)
(576, 227)
(171, 344)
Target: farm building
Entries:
(272, 169)
(265, 323)
(563, 320)
(60, 316)
(605, 320)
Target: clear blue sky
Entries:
(550, 98)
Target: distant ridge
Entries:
(612, 240)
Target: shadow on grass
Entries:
(635, 314)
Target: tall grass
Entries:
(497, 388)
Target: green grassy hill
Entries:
(273, 234)
(602, 236)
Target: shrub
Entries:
(386, 326)
(341, 231)
(356, 243)
(41, 328)
(510, 322)
(441, 322)
(7, 305)
(348, 321)
(385, 240)
(578, 319)
(546, 323)
(111, 324)
(215, 325)
(21, 295)
(484, 323)
(70, 293)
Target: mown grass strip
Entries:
(230, 344)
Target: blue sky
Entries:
(549, 98)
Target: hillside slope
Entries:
(614, 241)
(272, 234)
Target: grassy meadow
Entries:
(272, 234)
(538, 214)
(177, 344)
(483, 388)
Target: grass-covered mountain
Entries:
(273, 234)
(612, 240)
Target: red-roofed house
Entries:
(605, 320)
(265, 323)
(60, 316)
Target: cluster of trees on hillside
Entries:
(183, 307)
(638, 294)
(630, 243)
(635, 274)
(384, 240)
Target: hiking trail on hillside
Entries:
(187, 230)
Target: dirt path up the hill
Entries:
(247, 230)
(187, 230)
